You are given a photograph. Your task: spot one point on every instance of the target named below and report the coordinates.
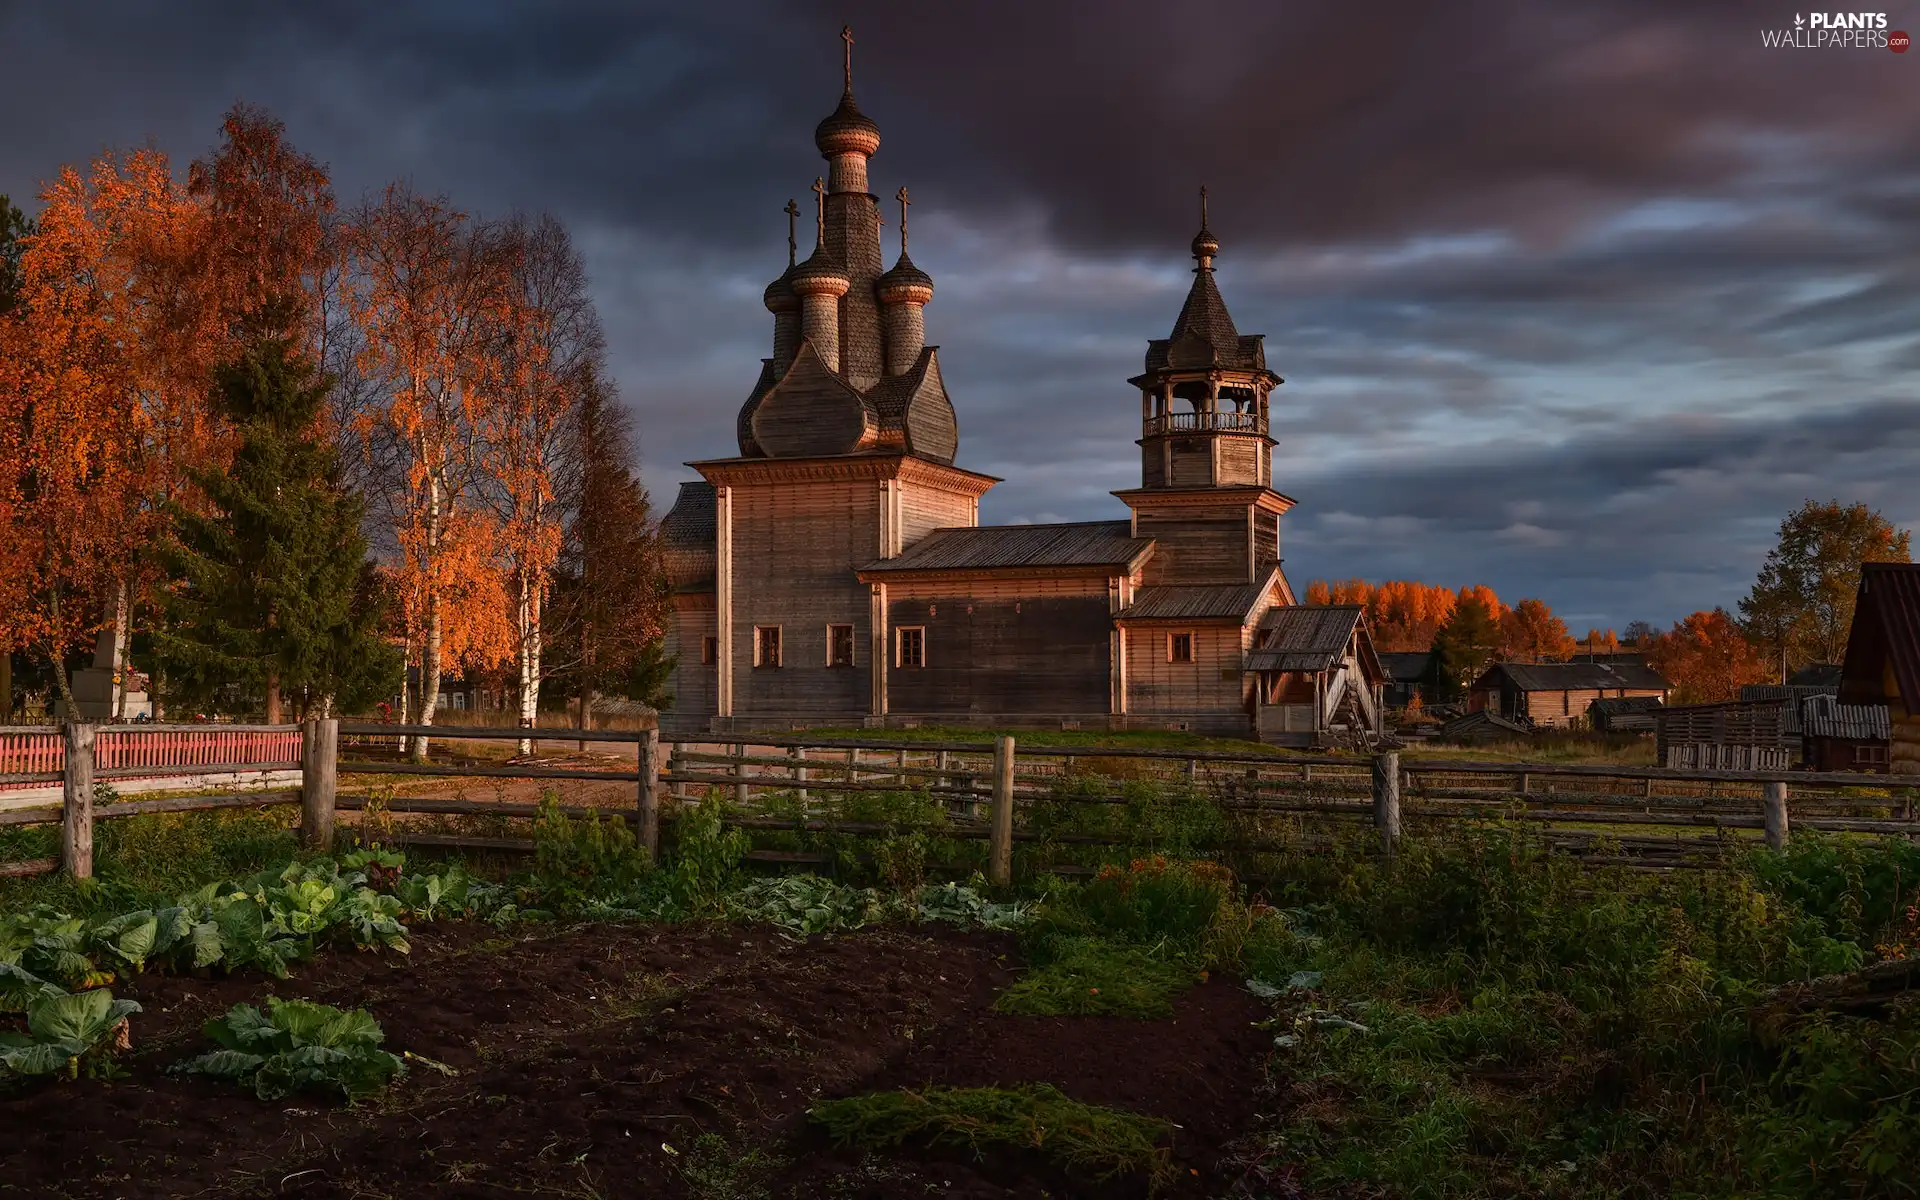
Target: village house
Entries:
(1557, 694)
(1882, 666)
(834, 571)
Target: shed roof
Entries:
(1855, 722)
(998, 547)
(1483, 720)
(1406, 666)
(1574, 676)
(1615, 705)
(1310, 637)
(1885, 635)
(1796, 692)
(1195, 602)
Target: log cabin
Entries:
(835, 570)
(1556, 694)
(1882, 665)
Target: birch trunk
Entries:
(527, 618)
(429, 673)
(57, 662)
(430, 652)
(122, 643)
(406, 693)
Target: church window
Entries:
(839, 645)
(766, 645)
(1180, 647)
(710, 650)
(912, 642)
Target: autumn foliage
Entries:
(1407, 616)
(1707, 657)
(459, 353)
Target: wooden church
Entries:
(835, 572)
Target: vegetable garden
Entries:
(1476, 1014)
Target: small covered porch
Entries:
(1317, 679)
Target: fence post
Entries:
(76, 802)
(739, 769)
(1386, 798)
(319, 780)
(1776, 802)
(900, 770)
(1000, 845)
(649, 772)
(799, 756)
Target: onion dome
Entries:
(819, 274)
(780, 296)
(847, 131)
(905, 282)
(1205, 245)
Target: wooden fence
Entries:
(1645, 816)
(147, 757)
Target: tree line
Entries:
(1797, 614)
(281, 446)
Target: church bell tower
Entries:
(1206, 458)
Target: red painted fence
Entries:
(166, 748)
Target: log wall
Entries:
(1002, 646)
(795, 547)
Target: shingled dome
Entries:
(780, 296)
(847, 130)
(820, 273)
(904, 279)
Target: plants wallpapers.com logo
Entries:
(1837, 31)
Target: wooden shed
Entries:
(1409, 675)
(1730, 736)
(1843, 737)
(1883, 656)
(1624, 714)
(1319, 678)
(1556, 695)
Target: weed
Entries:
(1088, 977)
(715, 1170)
(1102, 1141)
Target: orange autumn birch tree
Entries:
(430, 294)
(551, 347)
(89, 409)
(1531, 633)
(1707, 658)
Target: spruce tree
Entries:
(273, 597)
(1465, 646)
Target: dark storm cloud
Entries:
(1574, 299)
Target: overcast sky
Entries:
(1575, 300)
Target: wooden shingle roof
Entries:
(1575, 676)
(1305, 637)
(999, 547)
(1406, 666)
(1195, 602)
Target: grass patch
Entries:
(148, 860)
(1101, 1141)
(713, 1169)
(1090, 978)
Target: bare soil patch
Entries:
(591, 1062)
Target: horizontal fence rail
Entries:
(990, 792)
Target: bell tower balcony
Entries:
(1205, 422)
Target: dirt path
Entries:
(628, 1062)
